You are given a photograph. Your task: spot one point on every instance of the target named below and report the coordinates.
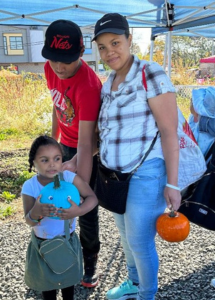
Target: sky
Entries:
(141, 36)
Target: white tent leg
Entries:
(169, 52)
(165, 53)
(151, 50)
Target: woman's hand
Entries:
(173, 198)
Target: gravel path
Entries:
(186, 268)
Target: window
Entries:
(5, 45)
(13, 44)
(87, 42)
(16, 43)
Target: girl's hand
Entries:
(69, 213)
(173, 198)
(43, 209)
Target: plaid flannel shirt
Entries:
(126, 123)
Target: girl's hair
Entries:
(42, 140)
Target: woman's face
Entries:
(114, 50)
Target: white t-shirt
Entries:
(48, 227)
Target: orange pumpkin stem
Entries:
(56, 182)
(172, 214)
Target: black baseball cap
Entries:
(63, 41)
(111, 23)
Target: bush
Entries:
(26, 105)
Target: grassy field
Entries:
(25, 113)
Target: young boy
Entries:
(75, 91)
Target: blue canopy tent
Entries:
(161, 15)
(140, 13)
(196, 21)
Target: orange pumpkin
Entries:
(173, 226)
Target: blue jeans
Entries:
(137, 226)
(207, 125)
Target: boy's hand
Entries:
(70, 165)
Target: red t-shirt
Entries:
(75, 99)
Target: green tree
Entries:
(190, 50)
(187, 50)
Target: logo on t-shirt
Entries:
(64, 108)
(69, 111)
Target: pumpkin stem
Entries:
(56, 182)
(172, 214)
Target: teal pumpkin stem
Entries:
(56, 182)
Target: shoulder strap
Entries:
(210, 158)
(61, 176)
(147, 153)
(144, 77)
(66, 222)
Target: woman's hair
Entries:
(42, 140)
(127, 33)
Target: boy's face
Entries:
(65, 70)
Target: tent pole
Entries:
(151, 49)
(212, 47)
(169, 52)
(165, 53)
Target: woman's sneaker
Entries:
(213, 282)
(127, 290)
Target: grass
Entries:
(25, 113)
(26, 107)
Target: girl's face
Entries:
(114, 50)
(48, 161)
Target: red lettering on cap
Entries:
(60, 44)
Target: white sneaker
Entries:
(213, 282)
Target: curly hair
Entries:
(42, 140)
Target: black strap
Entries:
(147, 153)
(210, 158)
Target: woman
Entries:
(129, 119)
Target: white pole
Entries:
(165, 53)
(151, 50)
(169, 52)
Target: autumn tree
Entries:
(158, 51)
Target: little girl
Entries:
(46, 156)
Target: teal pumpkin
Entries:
(58, 193)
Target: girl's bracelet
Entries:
(173, 187)
(33, 220)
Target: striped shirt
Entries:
(126, 124)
